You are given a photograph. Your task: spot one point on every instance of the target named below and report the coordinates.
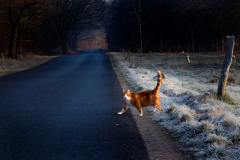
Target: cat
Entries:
(143, 99)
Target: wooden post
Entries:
(226, 66)
(129, 56)
(161, 44)
(223, 44)
(182, 67)
(2, 55)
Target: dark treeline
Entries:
(172, 25)
(43, 25)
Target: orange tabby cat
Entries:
(142, 99)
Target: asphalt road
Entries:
(66, 109)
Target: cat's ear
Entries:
(122, 90)
(128, 91)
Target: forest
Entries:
(134, 25)
(172, 26)
(40, 26)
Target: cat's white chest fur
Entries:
(127, 100)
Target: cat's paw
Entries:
(141, 114)
(119, 113)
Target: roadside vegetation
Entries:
(12, 65)
(206, 126)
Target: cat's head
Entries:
(126, 94)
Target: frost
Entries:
(206, 126)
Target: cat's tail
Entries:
(159, 82)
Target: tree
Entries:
(4, 31)
(143, 16)
(76, 15)
(17, 14)
(172, 26)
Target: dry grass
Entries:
(13, 65)
(226, 98)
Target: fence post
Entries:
(226, 66)
(2, 55)
(129, 56)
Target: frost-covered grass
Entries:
(207, 126)
(13, 65)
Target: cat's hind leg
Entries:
(157, 107)
(140, 111)
(138, 106)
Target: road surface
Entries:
(66, 109)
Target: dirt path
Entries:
(159, 142)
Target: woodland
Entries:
(43, 25)
(134, 25)
(172, 26)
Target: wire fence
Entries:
(201, 67)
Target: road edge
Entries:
(26, 68)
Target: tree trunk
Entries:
(169, 45)
(13, 42)
(213, 44)
(217, 44)
(141, 38)
(165, 47)
(226, 66)
(64, 45)
(193, 46)
(74, 42)
(223, 44)
(161, 43)
(189, 48)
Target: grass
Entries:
(213, 138)
(235, 137)
(140, 89)
(209, 126)
(13, 65)
(172, 108)
(185, 118)
(204, 127)
(226, 98)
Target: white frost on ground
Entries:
(207, 127)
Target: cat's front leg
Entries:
(125, 107)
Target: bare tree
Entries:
(17, 11)
(142, 18)
(74, 15)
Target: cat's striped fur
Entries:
(143, 99)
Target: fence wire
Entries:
(187, 66)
